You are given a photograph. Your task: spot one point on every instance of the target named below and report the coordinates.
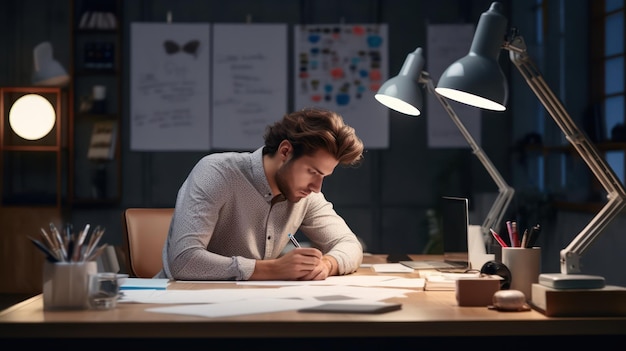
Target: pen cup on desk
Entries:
(65, 284)
(525, 266)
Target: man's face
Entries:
(296, 179)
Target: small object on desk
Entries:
(444, 281)
(533, 234)
(509, 300)
(525, 239)
(515, 239)
(477, 291)
(498, 238)
(397, 257)
(144, 283)
(353, 308)
(391, 268)
(571, 281)
(609, 301)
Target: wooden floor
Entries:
(8, 300)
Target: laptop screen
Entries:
(454, 226)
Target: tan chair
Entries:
(145, 231)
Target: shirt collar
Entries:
(258, 174)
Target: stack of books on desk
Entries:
(435, 280)
(144, 283)
(608, 301)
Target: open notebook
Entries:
(454, 229)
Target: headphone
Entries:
(498, 268)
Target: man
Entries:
(234, 211)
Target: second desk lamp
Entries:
(403, 94)
(478, 80)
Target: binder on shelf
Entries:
(103, 138)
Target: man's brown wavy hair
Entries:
(312, 129)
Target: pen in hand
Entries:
(293, 240)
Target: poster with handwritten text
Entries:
(446, 44)
(340, 67)
(249, 83)
(169, 83)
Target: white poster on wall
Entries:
(169, 87)
(249, 83)
(340, 67)
(447, 43)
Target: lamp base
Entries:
(571, 281)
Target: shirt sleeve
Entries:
(330, 233)
(198, 204)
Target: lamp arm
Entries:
(616, 195)
(505, 192)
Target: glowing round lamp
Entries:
(32, 117)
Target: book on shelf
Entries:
(99, 55)
(602, 302)
(103, 139)
(97, 20)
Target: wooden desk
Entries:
(426, 315)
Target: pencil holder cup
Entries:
(525, 266)
(65, 284)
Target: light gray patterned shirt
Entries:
(225, 220)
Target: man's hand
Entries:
(303, 263)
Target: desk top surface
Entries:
(423, 313)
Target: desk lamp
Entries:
(47, 70)
(402, 93)
(477, 80)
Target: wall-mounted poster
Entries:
(340, 67)
(446, 44)
(250, 73)
(169, 83)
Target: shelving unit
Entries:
(94, 179)
(554, 174)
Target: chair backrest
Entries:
(145, 231)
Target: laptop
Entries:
(454, 231)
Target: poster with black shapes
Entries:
(170, 87)
(340, 67)
(250, 72)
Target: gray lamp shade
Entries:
(477, 78)
(402, 93)
(48, 71)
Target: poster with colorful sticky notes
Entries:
(340, 67)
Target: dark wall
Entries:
(384, 200)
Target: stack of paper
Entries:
(445, 281)
(391, 268)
